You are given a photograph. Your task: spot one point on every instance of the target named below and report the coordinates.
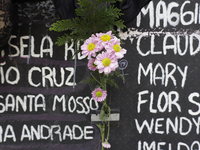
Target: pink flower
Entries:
(90, 47)
(106, 144)
(104, 38)
(99, 95)
(114, 47)
(91, 64)
(106, 62)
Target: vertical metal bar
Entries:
(29, 48)
(75, 60)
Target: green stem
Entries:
(104, 126)
(96, 80)
(103, 136)
(100, 77)
(108, 133)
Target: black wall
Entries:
(158, 102)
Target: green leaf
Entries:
(102, 116)
(63, 39)
(101, 128)
(119, 75)
(91, 18)
(89, 80)
(105, 112)
(62, 25)
(112, 83)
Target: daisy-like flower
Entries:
(90, 47)
(106, 144)
(106, 62)
(99, 95)
(91, 64)
(114, 47)
(104, 38)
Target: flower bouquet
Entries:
(103, 51)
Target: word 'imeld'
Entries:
(167, 146)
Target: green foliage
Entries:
(109, 79)
(100, 126)
(118, 74)
(102, 130)
(92, 17)
(103, 79)
(112, 82)
(89, 80)
(105, 112)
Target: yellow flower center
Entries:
(98, 93)
(105, 37)
(91, 46)
(117, 48)
(106, 62)
(93, 64)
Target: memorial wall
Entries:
(44, 107)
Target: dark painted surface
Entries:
(161, 114)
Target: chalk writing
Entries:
(5, 75)
(27, 103)
(22, 50)
(165, 12)
(181, 125)
(86, 104)
(46, 132)
(169, 99)
(49, 74)
(37, 101)
(195, 145)
(166, 73)
(69, 133)
(169, 37)
(122, 66)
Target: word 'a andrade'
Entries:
(45, 132)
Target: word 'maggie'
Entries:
(172, 14)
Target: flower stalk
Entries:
(103, 51)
